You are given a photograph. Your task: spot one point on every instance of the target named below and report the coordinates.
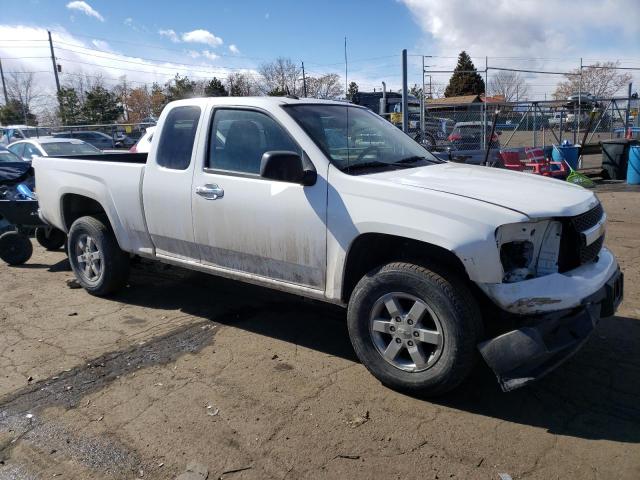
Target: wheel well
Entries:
(76, 206)
(371, 250)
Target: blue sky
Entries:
(151, 41)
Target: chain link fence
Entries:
(466, 125)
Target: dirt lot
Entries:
(253, 384)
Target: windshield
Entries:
(7, 156)
(69, 148)
(35, 132)
(355, 139)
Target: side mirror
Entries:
(286, 166)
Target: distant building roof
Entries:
(460, 100)
(493, 99)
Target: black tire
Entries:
(456, 312)
(51, 238)
(15, 248)
(113, 263)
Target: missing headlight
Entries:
(516, 258)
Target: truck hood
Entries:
(532, 195)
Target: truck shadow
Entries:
(594, 395)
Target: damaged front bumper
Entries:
(521, 356)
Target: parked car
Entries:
(144, 144)
(13, 133)
(7, 156)
(469, 136)
(122, 140)
(425, 255)
(97, 139)
(51, 146)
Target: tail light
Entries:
(133, 149)
(454, 136)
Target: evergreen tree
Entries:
(16, 112)
(215, 88)
(277, 92)
(101, 106)
(352, 92)
(179, 88)
(465, 79)
(70, 110)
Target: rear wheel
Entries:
(50, 238)
(98, 263)
(414, 328)
(15, 248)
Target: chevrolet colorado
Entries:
(435, 261)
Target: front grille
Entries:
(586, 220)
(590, 252)
(573, 252)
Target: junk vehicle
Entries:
(434, 261)
(50, 146)
(13, 133)
(389, 106)
(19, 212)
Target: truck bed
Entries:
(114, 180)
(124, 157)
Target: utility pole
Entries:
(422, 102)
(304, 81)
(346, 70)
(576, 134)
(4, 85)
(627, 125)
(405, 98)
(53, 61)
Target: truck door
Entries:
(166, 187)
(249, 224)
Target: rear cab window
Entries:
(177, 137)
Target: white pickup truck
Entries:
(435, 261)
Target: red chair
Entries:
(511, 161)
(543, 165)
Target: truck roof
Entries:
(255, 101)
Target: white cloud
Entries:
(102, 45)
(209, 55)
(202, 36)
(128, 21)
(193, 54)
(548, 35)
(85, 8)
(233, 49)
(108, 65)
(170, 34)
(267, 15)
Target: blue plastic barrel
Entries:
(566, 152)
(633, 167)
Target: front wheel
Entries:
(98, 263)
(415, 329)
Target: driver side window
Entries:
(239, 138)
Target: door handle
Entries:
(210, 191)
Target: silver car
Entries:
(52, 147)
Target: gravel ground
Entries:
(253, 384)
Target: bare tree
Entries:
(601, 79)
(511, 85)
(327, 86)
(281, 75)
(241, 85)
(22, 89)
